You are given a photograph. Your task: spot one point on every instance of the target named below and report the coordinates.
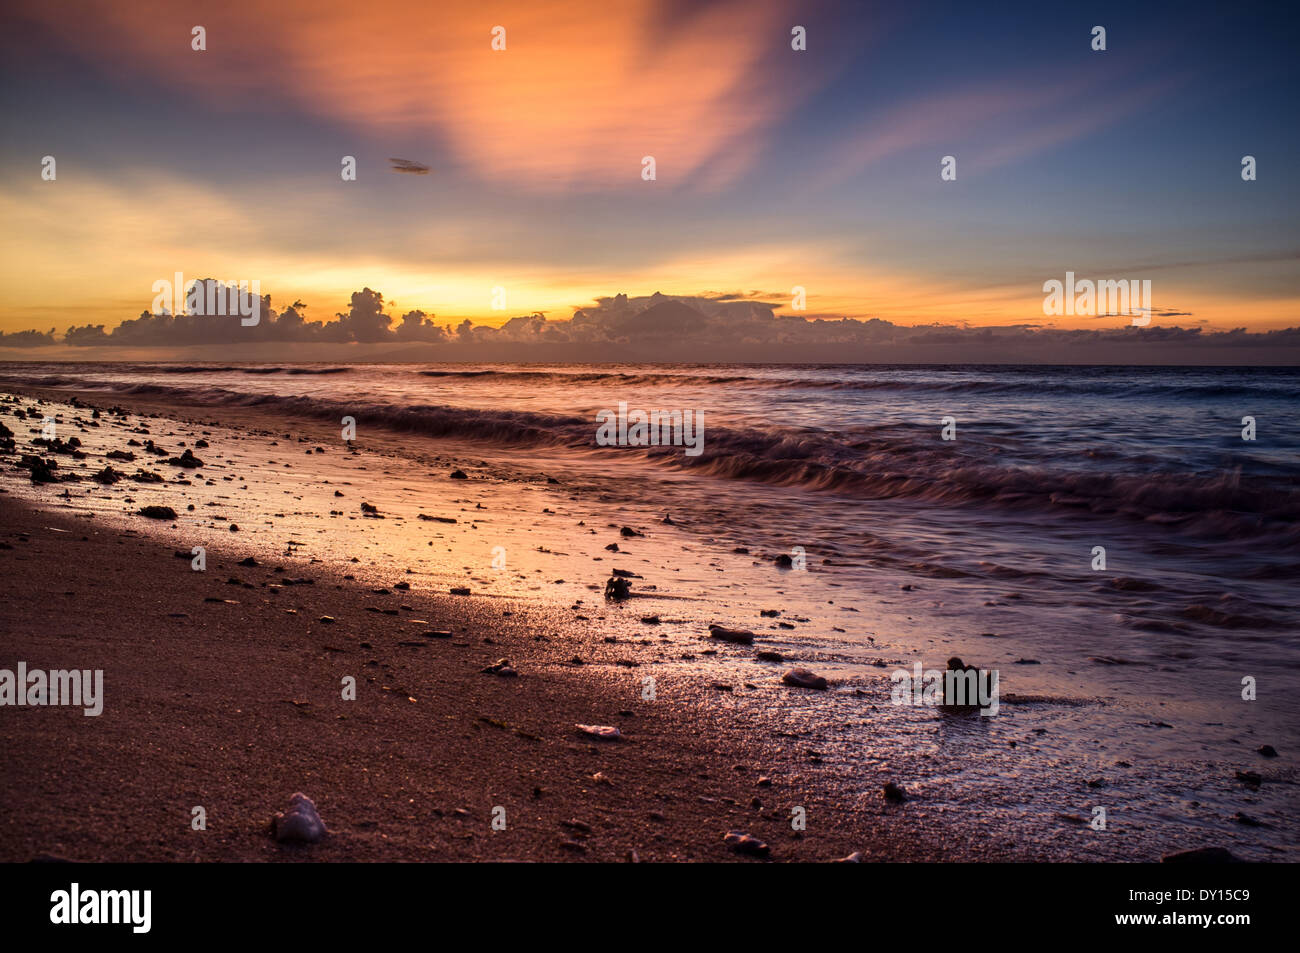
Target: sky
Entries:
(774, 168)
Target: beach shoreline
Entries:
(223, 660)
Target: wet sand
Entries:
(223, 690)
(234, 705)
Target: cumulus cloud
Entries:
(365, 322)
(740, 326)
(26, 338)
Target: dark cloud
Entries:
(365, 322)
(732, 326)
(27, 338)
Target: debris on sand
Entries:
(617, 588)
(187, 460)
(501, 667)
(736, 636)
(803, 678)
(42, 470)
(604, 732)
(744, 843)
(157, 512)
(955, 664)
(300, 823)
(894, 794)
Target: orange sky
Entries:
(775, 167)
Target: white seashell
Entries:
(600, 731)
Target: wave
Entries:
(905, 463)
(1036, 384)
(259, 370)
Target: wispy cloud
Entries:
(575, 100)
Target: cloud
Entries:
(658, 327)
(365, 322)
(991, 123)
(578, 96)
(27, 338)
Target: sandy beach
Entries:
(223, 691)
(385, 561)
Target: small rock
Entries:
(744, 843)
(737, 636)
(1267, 751)
(894, 793)
(803, 678)
(187, 460)
(501, 667)
(300, 823)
